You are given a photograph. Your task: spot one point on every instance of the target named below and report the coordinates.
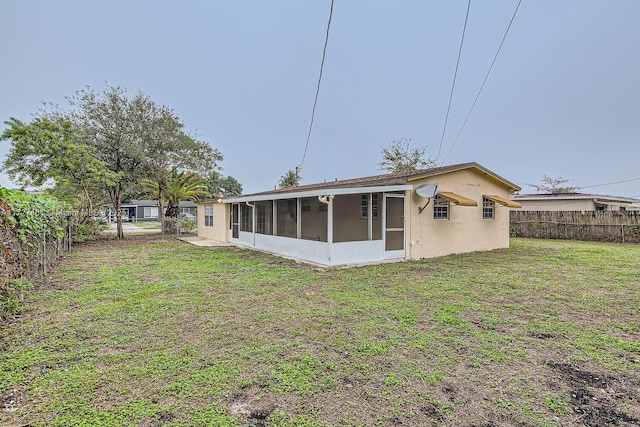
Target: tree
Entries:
(180, 186)
(46, 150)
(135, 138)
(554, 186)
(399, 157)
(290, 179)
(221, 186)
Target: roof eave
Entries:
(336, 191)
(512, 187)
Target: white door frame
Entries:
(395, 253)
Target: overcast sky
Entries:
(563, 98)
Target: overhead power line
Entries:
(455, 74)
(315, 100)
(484, 81)
(610, 183)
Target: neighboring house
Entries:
(147, 210)
(371, 219)
(575, 202)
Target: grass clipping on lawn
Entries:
(154, 332)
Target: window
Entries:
(208, 216)
(488, 207)
(150, 212)
(246, 218)
(440, 208)
(306, 205)
(364, 205)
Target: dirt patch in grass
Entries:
(597, 398)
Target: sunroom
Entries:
(338, 226)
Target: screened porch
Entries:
(337, 227)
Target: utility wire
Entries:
(315, 101)
(484, 81)
(453, 85)
(610, 183)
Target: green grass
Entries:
(159, 332)
(147, 224)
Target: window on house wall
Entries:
(488, 208)
(246, 218)
(440, 208)
(364, 205)
(208, 216)
(150, 212)
(306, 205)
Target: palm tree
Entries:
(178, 187)
(290, 179)
(183, 186)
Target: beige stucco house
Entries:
(371, 219)
(575, 202)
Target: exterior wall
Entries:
(220, 228)
(557, 205)
(465, 230)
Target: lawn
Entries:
(151, 332)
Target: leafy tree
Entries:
(290, 179)
(51, 150)
(554, 186)
(221, 186)
(135, 138)
(399, 157)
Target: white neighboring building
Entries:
(575, 202)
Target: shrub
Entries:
(12, 295)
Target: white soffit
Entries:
(319, 192)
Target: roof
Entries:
(144, 203)
(387, 180)
(575, 196)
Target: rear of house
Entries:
(371, 219)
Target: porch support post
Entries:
(370, 216)
(330, 226)
(298, 219)
(274, 218)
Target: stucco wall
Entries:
(465, 230)
(220, 222)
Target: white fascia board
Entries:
(595, 198)
(322, 192)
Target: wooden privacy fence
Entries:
(600, 226)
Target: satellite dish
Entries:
(427, 191)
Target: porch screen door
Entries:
(394, 226)
(235, 220)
